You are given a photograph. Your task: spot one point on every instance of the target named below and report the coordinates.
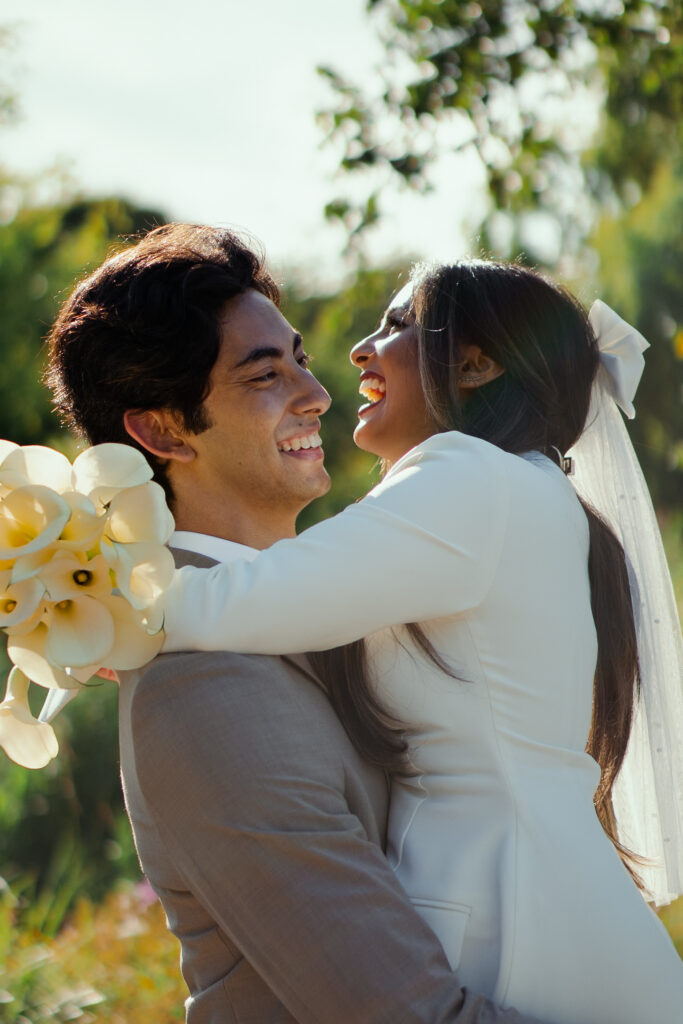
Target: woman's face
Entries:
(395, 417)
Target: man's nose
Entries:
(314, 397)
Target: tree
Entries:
(43, 250)
(500, 78)
(8, 102)
(331, 325)
(640, 270)
(65, 826)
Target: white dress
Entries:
(496, 840)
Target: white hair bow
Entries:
(621, 354)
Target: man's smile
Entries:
(304, 445)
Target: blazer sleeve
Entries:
(423, 544)
(247, 793)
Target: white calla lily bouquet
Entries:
(83, 569)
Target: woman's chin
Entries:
(390, 450)
(363, 439)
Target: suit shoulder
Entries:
(236, 702)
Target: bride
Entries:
(498, 629)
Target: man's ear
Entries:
(157, 430)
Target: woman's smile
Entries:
(394, 417)
(372, 387)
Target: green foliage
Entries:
(331, 326)
(640, 273)
(43, 251)
(64, 827)
(114, 963)
(8, 98)
(672, 532)
(672, 919)
(488, 76)
(644, 105)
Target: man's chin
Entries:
(318, 487)
(324, 484)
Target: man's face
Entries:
(262, 449)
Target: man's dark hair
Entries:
(142, 331)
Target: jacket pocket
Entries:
(449, 923)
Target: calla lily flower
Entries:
(104, 470)
(80, 632)
(5, 448)
(31, 517)
(68, 575)
(28, 652)
(27, 566)
(139, 514)
(25, 740)
(84, 528)
(143, 571)
(152, 616)
(29, 624)
(19, 601)
(133, 646)
(35, 464)
(85, 673)
(68, 536)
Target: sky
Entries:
(205, 109)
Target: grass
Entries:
(672, 919)
(114, 963)
(672, 533)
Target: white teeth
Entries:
(312, 441)
(372, 387)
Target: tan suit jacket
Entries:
(261, 829)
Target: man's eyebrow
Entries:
(268, 352)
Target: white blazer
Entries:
(495, 839)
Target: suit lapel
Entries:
(183, 557)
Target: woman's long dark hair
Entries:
(542, 338)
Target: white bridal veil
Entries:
(648, 792)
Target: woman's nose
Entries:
(361, 352)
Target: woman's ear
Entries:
(157, 430)
(477, 368)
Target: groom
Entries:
(255, 819)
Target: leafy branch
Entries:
(501, 78)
